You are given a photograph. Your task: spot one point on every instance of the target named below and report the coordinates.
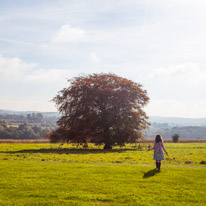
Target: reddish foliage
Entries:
(101, 108)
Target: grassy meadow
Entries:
(53, 174)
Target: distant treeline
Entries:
(30, 118)
(23, 131)
(183, 132)
(160, 125)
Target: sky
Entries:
(160, 44)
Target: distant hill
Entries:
(171, 121)
(24, 113)
(186, 132)
(178, 121)
(189, 128)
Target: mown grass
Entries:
(50, 174)
(179, 153)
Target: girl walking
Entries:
(158, 151)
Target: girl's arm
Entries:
(151, 148)
(164, 149)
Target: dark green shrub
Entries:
(203, 162)
(175, 138)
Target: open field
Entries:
(52, 174)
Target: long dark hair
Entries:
(158, 138)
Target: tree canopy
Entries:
(100, 108)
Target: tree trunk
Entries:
(107, 146)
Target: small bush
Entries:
(203, 162)
(175, 138)
(188, 162)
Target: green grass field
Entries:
(51, 174)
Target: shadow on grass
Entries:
(68, 151)
(151, 173)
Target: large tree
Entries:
(100, 108)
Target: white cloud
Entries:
(175, 108)
(25, 86)
(177, 90)
(28, 104)
(51, 75)
(94, 58)
(16, 69)
(188, 73)
(68, 34)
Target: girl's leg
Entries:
(157, 163)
